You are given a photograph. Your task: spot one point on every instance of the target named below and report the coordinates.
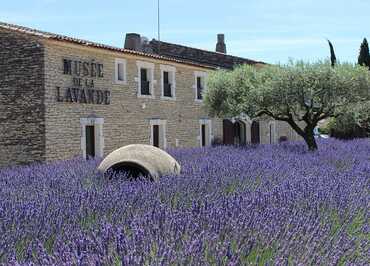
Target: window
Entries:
(199, 88)
(158, 133)
(145, 83)
(168, 82)
(145, 79)
(200, 85)
(166, 85)
(120, 71)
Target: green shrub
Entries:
(345, 127)
(324, 130)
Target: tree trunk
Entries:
(310, 140)
(307, 133)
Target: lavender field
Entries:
(267, 205)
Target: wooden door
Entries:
(237, 129)
(228, 132)
(90, 141)
(255, 133)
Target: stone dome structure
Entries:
(140, 159)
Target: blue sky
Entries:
(269, 30)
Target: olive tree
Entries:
(298, 93)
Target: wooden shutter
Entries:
(228, 130)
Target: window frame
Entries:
(116, 74)
(172, 80)
(203, 76)
(150, 76)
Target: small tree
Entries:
(333, 58)
(364, 56)
(300, 94)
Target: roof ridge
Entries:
(47, 34)
(24, 29)
(208, 51)
(167, 57)
(59, 37)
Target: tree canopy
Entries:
(362, 115)
(298, 93)
(364, 56)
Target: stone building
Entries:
(62, 97)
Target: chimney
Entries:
(133, 41)
(221, 46)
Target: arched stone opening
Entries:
(239, 135)
(130, 169)
(234, 133)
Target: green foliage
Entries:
(289, 89)
(355, 227)
(259, 256)
(324, 130)
(299, 93)
(364, 56)
(362, 115)
(49, 244)
(345, 127)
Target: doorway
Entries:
(234, 133)
(90, 141)
(205, 132)
(92, 137)
(156, 136)
(255, 132)
(158, 133)
(203, 142)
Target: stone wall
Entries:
(21, 99)
(279, 129)
(35, 126)
(127, 118)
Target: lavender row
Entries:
(274, 205)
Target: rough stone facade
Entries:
(22, 128)
(127, 118)
(38, 124)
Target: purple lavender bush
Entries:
(266, 205)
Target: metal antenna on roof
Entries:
(159, 29)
